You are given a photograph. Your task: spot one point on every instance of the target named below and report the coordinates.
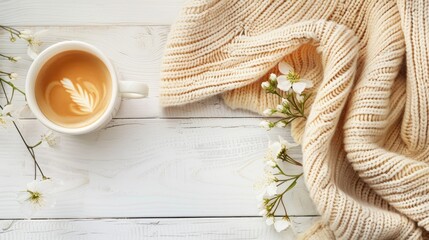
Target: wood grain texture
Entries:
(159, 229)
(197, 160)
(136, 52)
(94, 12)
(149, 168)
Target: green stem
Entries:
(279, 200)
(280, 170)
(293, 102)
(276, 93)
(290, 186)
(5, 56)
(12, 94)
(12, 85)
(33, 156)
(291, 160)
(36, 145)
(30, 149)
(284, 181)
(293, 176)
(4, 90)
(284, 208)
(11, 30)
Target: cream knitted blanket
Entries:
(366, 141)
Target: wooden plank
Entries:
(149, 168)
(136, 53)
(83, 12)
(159, 229)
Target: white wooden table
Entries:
(153, 173)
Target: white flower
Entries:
(274, 149)
(266, 124)
(265, 85)
(39, 194)
(13, 76)
(26, 34)
(5, 116)
(281, 225)
(271, 163)
(263, 212)
(49, 139)
(33, 41)
(266, 185)
(268, 112)
(271, 189)
(273, 77)
(290, 80)
(280, 107)
(280, 124)
(269, 221)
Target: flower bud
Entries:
(268, 112)
(265, 85)
(281, 124)
(13, 76)
(266, 124)
(14, 59)
(273, 77)
(269, 221)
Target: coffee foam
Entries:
(73, 89)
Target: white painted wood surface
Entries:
(93, 12)
(149, 168)
(200, 160)
(151, 229)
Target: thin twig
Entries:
(29, 148)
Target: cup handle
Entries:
(131, 89)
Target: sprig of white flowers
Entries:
(290, 88)
(39, 192)
(32, 39)
(276, 183)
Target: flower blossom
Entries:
(281, 225)
(33, 40)
(39, 194)
(49, 139)
(291, 80)
(5, 115)
(266, 124)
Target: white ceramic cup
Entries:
(126, 89)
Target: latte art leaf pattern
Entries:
(80, 96)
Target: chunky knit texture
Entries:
(366, 140)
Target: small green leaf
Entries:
(291, 185)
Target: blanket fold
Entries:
(365, 142)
